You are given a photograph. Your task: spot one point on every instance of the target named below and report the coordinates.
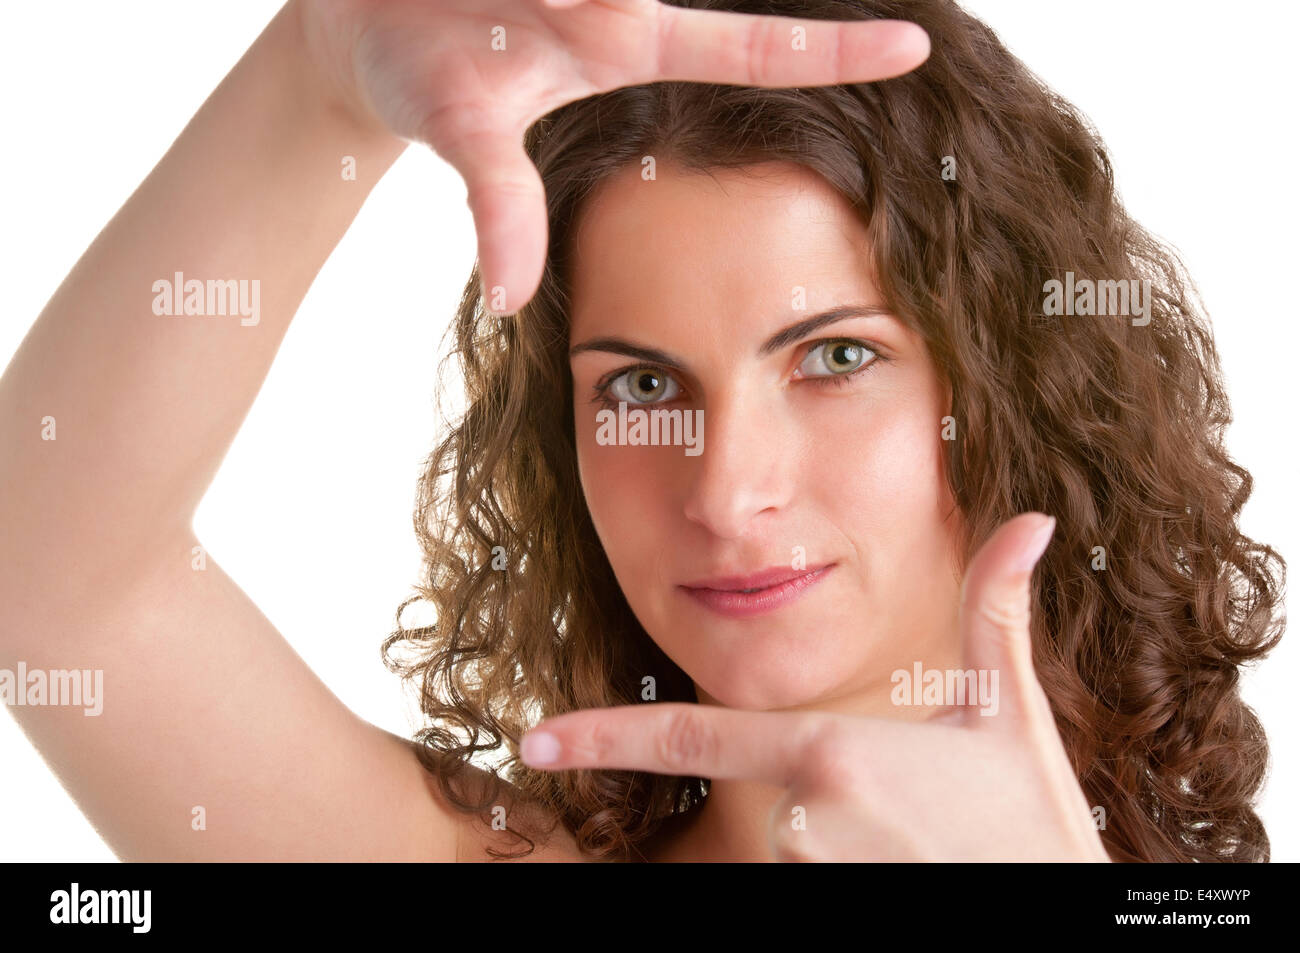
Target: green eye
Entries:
(643, 385)
(836, 357)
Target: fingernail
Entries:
(539, 747)
(1033, 550)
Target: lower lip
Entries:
(740, 605)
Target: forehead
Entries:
(727, 242)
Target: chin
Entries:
(763, 665)
(773, 688)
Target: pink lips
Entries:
(772, 588)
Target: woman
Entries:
(886, 390)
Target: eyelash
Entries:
(836, 380)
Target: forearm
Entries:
(143, 406)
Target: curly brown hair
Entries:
(1114, 427)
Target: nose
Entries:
(745, 468)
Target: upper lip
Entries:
(762, 579)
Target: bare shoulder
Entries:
(475, 835)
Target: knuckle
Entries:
(665, 32)
(830, 762)
(756, 39)
(788, 844)
(1004, 614)
(592, 741)
(446, 125)
(686, 740)
(790, 847)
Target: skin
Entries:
(850, 470)
(425, 69)
(205, 701)
(847, 467)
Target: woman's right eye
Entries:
(642, 385)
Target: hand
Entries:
(427, 70)
(962, 786)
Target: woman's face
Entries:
(817, 478)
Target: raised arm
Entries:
(215, 741)
(114, 419)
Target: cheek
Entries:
(886, 451)
(885, 488)
(627, 494)
(887, 494)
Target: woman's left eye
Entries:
(836, 358)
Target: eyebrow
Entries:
(783, 338)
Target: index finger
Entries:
(716, 46)
(677, 738)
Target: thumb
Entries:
(508, 202)
(995, 614)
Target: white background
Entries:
(311, 511)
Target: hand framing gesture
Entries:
(958, 787)
(468, 77)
